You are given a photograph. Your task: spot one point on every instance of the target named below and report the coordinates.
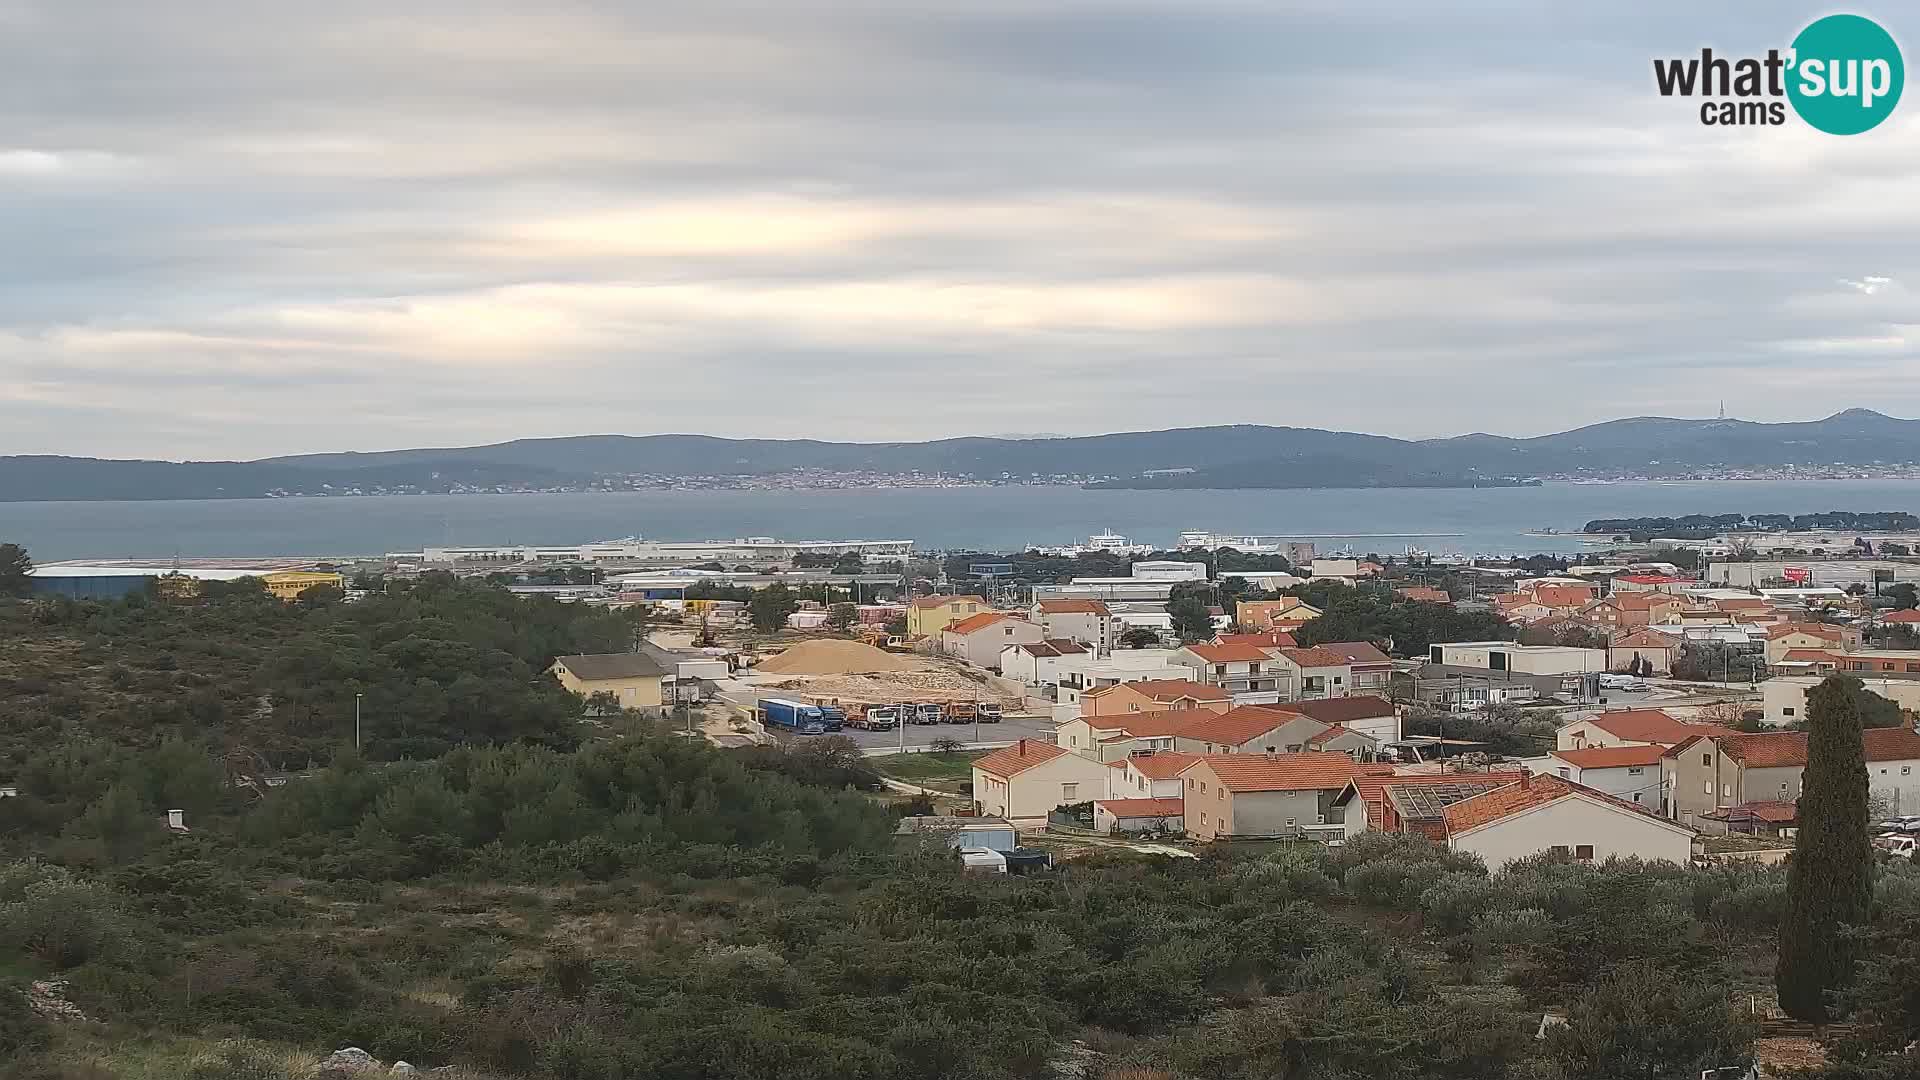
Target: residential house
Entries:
(1520, 607)
(1783, 699)
(1462, 688)
(1029, 779)
(1248, 672)
(1631, 773)
(1421, 594)
(1908, 617)
(1037, 663)
(1818, 662)
(1149, 695)
(1264, 639)
(634, 679)
(928, 615)
(1527, 659)
(1651, 647)
(1339, 740)
(1652, 583)
(1318, 672)
(1148, 775)
(1799, 635)
(1564, 597)
(1415, 803)
(1260, 796)
(1627, 611)
(289, 584)
(1090, 622)
(1290, 611)
(1138, 815)
(980, 639)
(1370, 670)
(1122, 735)
(1880, 662)
(1080, 675)
(1548, 814)
(1250, 729)
(1713, 772)
(1366, 714)
(1630, 727)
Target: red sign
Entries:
(1799, 575)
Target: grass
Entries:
(929, 770)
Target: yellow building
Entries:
(633, 679)
(928, 615)
(289, 584)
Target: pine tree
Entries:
(1830, 882)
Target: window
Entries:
(1565, 774)
(1635, 770)
(1584, 852)
(1636, 796)
(1558, 849)
(1289, 823)
(1906, 770)
(1786, 712)
(1706, 762)
(1073, 740)
(1221, 794)
(1706, 787)
(1726, 790)
(1069, 792)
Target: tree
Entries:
(1647, 1021)
(897, 626)
(770, 607)
(16, 569)
(1830, 880)
(1191, 620)
(841, 616)
(1904, 594)
(1140, 637)
(944, 745)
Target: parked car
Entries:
(1897, 845)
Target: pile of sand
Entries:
(834, 657)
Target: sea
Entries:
(1477, 521)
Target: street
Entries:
(743, 695)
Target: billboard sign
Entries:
(1799, 575)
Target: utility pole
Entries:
(356, 721)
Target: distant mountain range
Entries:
(1238, 456)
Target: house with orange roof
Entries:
(1250, 729)
(1632, 773)
(1367, 714)
(1651, 647)
(1247, 672)
(1520, 607)
(1117, 737)
(1651, 583)
(1089, 622)
(1422, 594)
(1030, 778)
(1806, 662)
(1783, 637)
(1260, 796)
(1537, 814)
(1148, 776)
(1563, 598)
(1369, 670)
(1151, 695)
(1414, 802)
(1710, 773)
(1906, 617)
(928, 615)
(980, 639)
(1139, 815)
(1039, 663)
(1266, 639)
(1291, 611)
(1629, 727)
(1625, 611)
(1319, 671)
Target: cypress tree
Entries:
(1830, 883)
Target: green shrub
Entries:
(60, 919)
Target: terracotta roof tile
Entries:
(1172, 806)
(1327, 736)
(1530, 792)
(1648, 726)
(1820, 630)
(1010, 761)
(1563, 596)
(1898, 617)
(980, 622)
(1340, 710)
(1073, 607)
(1152, 723)
(1373, 787)
(1357, 652)
(1279, 772)
(1424, 595)
(1646, 639)
(1229, 654)
(1236, 726)
(1162, 765)
(1316, 656)
(1271, 639)
(1788, 749)
(1611, 757)
(1171, 690)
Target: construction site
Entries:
(853, 675)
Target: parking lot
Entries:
(921, 736)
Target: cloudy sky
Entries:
(235, 229)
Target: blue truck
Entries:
(798, 716)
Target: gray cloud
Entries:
(239, 229)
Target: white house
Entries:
(1629, 727)
(1037, 663)
(1148, 776)
(1316, 672)
(1523, 659)
(1629, 773)
(1546, 813)
(1028, 779)
(1089, 622)
(1785, 698)
(980, 639)
(1248, 672)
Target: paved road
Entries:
(1006, 731)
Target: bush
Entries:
(1756, 907)
(240, 1059)
(21, 1029)
(60, 919)
(1522, 926)
(1452, 902)
(1393, 884)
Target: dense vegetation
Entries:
(534, 896)
(1399, 626)
(1690, 524)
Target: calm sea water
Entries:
(1485, 521)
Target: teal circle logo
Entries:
(1846, 74)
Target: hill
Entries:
(1234, 456)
